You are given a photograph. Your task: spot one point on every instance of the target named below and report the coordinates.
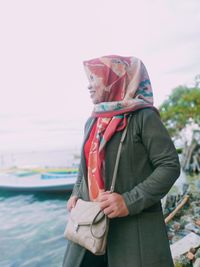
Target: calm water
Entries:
(31, 229)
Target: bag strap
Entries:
(118, 155)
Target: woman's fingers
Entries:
(103, 196)
(71, 202)
(112, 215)
(113, 205)
(110, 210)
(104, 204)
(107, 211)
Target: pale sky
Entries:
(44, 42)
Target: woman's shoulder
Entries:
(146, 113)
(146, 118)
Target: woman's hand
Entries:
(71, 203)
(113, 205)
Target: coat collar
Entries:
(89, 125)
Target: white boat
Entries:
(47, 182)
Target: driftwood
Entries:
(173, 213)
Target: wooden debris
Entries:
(173, 213)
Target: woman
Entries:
(148, 167)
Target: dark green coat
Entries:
(148, 168)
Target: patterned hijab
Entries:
(123, 86)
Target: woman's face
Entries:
(96, 89)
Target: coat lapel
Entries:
(87, 132)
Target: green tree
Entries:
(181, 108)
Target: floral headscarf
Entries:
(125, 82)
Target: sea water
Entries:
(31, 229)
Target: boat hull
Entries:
(34, 183)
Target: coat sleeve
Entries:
(162, 155)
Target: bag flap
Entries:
(86, 212)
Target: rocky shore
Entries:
(183, 227)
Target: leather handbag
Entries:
(87, 224)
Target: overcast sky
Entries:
(44, 42)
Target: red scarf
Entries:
(96, 158)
